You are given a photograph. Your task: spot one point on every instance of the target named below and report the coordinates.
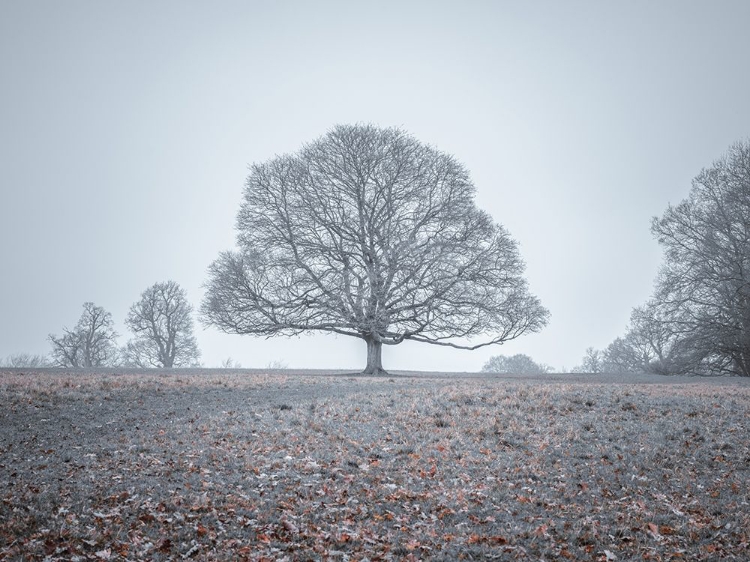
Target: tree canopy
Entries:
(369, 233)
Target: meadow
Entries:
(251, 465)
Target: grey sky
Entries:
(126, 129)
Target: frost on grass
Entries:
(265, 467)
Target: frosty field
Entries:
(244, 465)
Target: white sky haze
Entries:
(127, 128)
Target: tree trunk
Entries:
(374, 358)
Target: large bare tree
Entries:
(92, 343)
(367, 232)
(704, 285)
(163, 328)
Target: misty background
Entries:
(126, 130)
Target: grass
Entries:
(233, 465)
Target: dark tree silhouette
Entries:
(368, 233)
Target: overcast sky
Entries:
(126, 130)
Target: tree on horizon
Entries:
(366, 232)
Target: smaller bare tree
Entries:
(625, 355)
(656, 342)
(163, 327)
(92, 343)
(516, 364)
(230, 363)
(25, 360)
(592, 362)
(277, 364)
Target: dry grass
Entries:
(256, 466)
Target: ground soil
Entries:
(250, 465)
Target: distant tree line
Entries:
(698, 319)
(365, 232)
(162, 327)
(369, 233)
(25, 360)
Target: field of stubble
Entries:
(209, 465)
